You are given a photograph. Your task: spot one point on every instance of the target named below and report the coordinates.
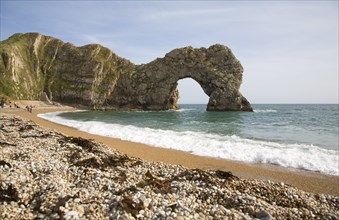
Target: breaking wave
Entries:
(231, 147)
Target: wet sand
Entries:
(305, 180)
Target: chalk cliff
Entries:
(92, 75)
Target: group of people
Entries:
(29, 108)
(3, 101)
(8, 102)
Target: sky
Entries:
(289, 49)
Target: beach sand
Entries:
(305, 180)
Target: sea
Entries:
(301, 136)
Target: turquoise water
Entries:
(298, 136)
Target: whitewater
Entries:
(295, 136)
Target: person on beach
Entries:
(2, 103)
(29, 108)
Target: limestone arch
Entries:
(154, 85)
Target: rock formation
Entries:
(92, 75)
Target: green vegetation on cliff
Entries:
(32, 63)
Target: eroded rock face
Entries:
(216, 69)
(94, 76)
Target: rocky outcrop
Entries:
(94, 76)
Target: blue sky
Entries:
(289, 49)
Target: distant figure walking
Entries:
(2, 103)
(29, 108)
(16, 105)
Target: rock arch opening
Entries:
(191, 92)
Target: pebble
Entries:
(47, 175)
(263, 215)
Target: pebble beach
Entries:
(48, 175)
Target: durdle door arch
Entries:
(216, 70)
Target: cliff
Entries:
(32, 64)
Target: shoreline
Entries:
(48, 175)
(308, 181)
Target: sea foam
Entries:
(231, 147)
(264, 110)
